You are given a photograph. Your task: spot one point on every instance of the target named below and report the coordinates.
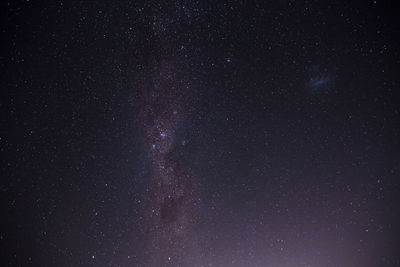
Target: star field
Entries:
(197, 133)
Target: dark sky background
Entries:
(193, 133)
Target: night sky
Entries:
(200, 133)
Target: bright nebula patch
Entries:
(319, 81)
